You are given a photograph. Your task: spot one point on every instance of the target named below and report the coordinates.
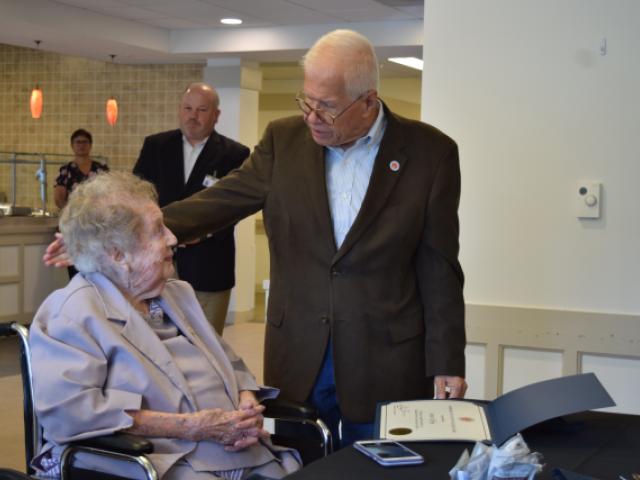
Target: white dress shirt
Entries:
(190, 154)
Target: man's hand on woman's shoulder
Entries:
(56, 253)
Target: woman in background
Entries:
(76, 171)
(79, 169)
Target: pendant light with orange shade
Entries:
(112, 104)
(35, 102)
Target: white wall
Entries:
(534, 106)
(238, 120)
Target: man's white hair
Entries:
(350, 51)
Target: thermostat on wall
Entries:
(588, 195)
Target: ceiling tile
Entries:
(378, 13)
(401, 3)
(173, 23)
(278, 12)
(254, 13)
(201, 14)
(416, 11)
(130, 12)
(86, 4)
(335, 5)
(189, 9)
(250, 6)
(148, 3)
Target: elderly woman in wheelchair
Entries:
(125, 348)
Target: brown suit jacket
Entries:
(390, 298)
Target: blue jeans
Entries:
(323, 397)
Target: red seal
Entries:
(465, 419)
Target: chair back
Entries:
(32, 429)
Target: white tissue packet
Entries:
(459, 467)
(513, 461)
(515, 471)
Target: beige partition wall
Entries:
(509, 347)
(24, 280)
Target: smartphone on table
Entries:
(388, 452)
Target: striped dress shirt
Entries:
(348, 173)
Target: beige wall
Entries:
(75, 91)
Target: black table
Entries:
(601, 445)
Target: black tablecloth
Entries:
(601, 445)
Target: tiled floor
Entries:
(245, 338)
(11, 433)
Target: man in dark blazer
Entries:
(182, 162)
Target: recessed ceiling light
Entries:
(231, 21)
(411, 62)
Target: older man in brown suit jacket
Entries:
(360, 208)
(386, 300)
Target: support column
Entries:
(238, 84)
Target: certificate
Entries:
(433, 420)
(495, 421)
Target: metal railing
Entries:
(42, 160)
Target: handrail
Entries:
(42, 160)
(64, 157)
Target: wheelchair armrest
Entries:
(6, 330)
(281, 408)
(10, 474)
(125, 443)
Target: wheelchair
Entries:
(295, 425)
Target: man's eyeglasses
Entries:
(323, 115)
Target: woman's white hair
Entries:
(103, 216)
(351, 51)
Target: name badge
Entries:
(209, 181)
